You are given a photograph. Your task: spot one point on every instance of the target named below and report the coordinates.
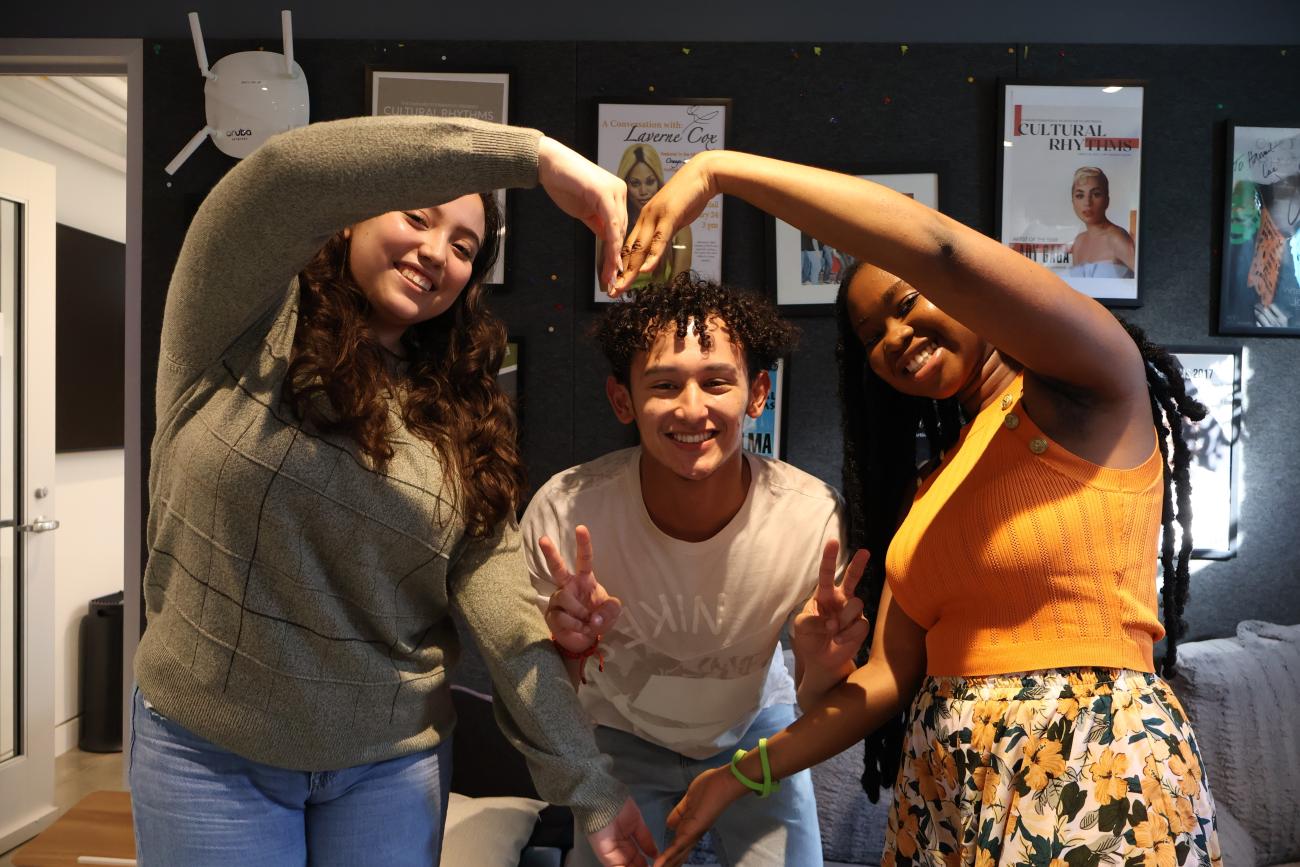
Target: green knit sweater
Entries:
(298, 601)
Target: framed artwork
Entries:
(1070, 182)
(807, 272)
(1259, 294)
(480, 95)
(645, 144)
(765, 435)
(1213, 376)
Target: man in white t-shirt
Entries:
(689, 556)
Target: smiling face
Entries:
(912, 345)
(412, 265)
(642, 183)
(1091, 199)
(689, 405)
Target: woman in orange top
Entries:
(1019, 612)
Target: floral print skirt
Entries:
(1062, 768)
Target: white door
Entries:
(26, 497)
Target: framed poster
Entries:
(1071, 182)
(645, 144)
(1213, 376)
(806, 272)
(765, 435)
(1259, 294)
(480, 95)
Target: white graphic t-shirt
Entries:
(695, 655)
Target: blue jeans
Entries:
(196, 805)
(753, 832)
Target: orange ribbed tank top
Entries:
(1018, 555)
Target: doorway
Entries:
(48, 61)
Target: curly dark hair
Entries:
(751, 321)
(339, 378)
(880, 428)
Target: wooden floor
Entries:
(77, 774)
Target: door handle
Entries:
(40, 525)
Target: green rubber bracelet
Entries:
(769, 785)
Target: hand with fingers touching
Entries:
(677, 204)
(587, 192)
(626, 841)
(830, 629)
(580, 610)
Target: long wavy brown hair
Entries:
(340, 378)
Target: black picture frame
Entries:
(1089, 130)
(499, 276)
(589, 288)
(1259, 294)
(923, 181)
(1215, 462)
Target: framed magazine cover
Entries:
(1070, 182)
(645, 143)
(1259, 294)
(806, 272)
(1213, 376)
(480, 95)
(765, 435)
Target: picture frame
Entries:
(1070, 182)
(804, 273)
(510, 376)
(1259, 292)
(1213, 375)
(766, 435)
(645, 142)
(480, 95)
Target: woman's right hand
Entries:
(678, 203)
(584, 190)
(708, 796)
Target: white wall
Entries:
(89, 493)
(91, 196)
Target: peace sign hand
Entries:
(580, 610)
(830, 628)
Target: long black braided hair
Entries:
(887, 435)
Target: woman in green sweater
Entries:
(334, 472)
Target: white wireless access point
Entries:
(249, 96)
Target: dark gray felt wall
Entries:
(854, 105)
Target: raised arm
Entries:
(270, 214)
(1020, 307)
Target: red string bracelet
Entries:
(594, 650)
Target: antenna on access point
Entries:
(248, 96)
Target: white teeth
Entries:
(918, 361)
(691, 438)
(417, 278)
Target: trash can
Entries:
(101, 676)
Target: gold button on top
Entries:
(1011, 420)
(1007, 400)
(1038, 445)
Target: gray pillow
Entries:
(1243, 697)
